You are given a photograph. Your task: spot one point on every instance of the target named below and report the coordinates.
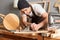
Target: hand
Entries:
(51, 29)
(35, 27)
(32, 26)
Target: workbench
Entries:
(6, 35)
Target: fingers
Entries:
(34, 27)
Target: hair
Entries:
(23, 4)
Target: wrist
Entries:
(39, 26)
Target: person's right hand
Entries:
(32, 26)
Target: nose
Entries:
(25, 12)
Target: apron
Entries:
(35, 19)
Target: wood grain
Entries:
(11, 21)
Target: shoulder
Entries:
(36, 5)
(38, 8)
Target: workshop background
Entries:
(6, 6)
(9, 6)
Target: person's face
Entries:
(26, 10)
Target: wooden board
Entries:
(30, 32)
(11, 21)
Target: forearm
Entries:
(27, 23)
(44, 22)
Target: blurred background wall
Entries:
(6, 6)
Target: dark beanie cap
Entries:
(23, 4)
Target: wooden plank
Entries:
(41, 31)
